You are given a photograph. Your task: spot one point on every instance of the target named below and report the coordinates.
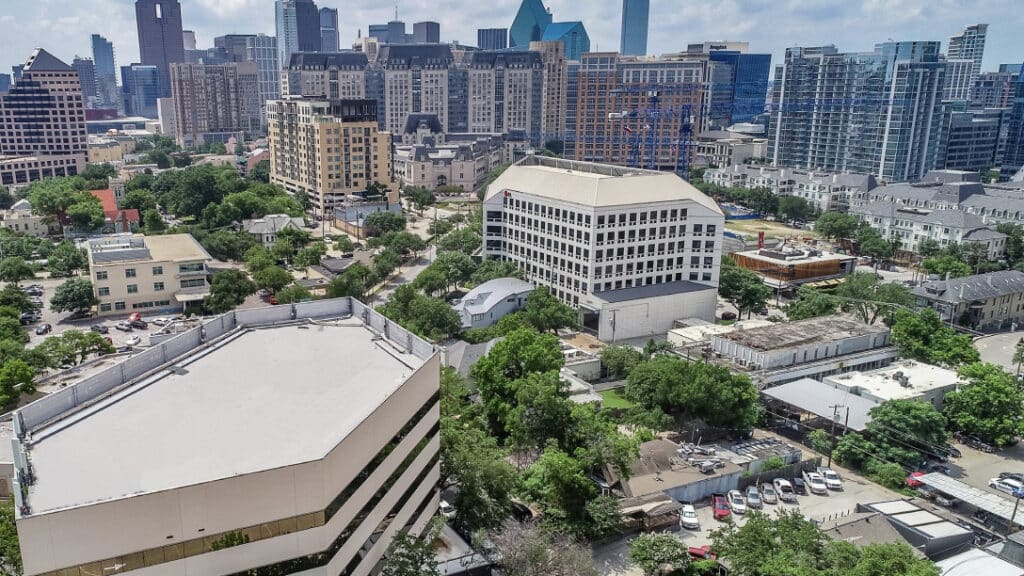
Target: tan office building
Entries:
(147, 274)
(328, 150)
(215, 103)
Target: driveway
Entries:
(999, 349)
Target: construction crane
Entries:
(647, 139)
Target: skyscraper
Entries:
(738, 81)
(426, 32)
(554, 90)
(161, 40)
(140, 89)
(263, 51)
(531, 21)
(492, 38)
(969, 44)
(5, 83)
(46, 95)
(214, 103)
(1014, 159)
(298, 28)
(870, 113)
(86, 79)
(330, 35)
(233, 47)
(572, 34)
(106, 71)
(188, 38)
(635, 18)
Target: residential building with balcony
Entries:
(154, 466)
(633, 250)
(823, 190)
(147, 274)
(985, 302)
(912, 225)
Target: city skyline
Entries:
(51, 24)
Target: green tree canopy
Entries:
(408, 555)
(557, 479)
(381, 222)
(743, 288)
(13, 297)
(492, 269)
(546, 312)
(922, 335)
(272, 278)
(14, 269)
(66, 259)
(228, 289)
(794, 208)
(811, 303)
(74, 294)
(140, 199)
(464, 240)
(530, 550)
(650, 551)
(429, 317)
(990, 406)
(226, 244)
(870, 299)
(10, 551)
(456, 267)
(837, 225)
(619, 361)
(946, 264)
(355, 281)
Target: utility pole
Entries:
(1013, 516)
(835, 416)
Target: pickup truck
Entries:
(831, 478)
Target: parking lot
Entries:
(613, 558)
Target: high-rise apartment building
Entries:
(339, 76)
(426, 32)
(332, 492)
(215, 103)
(298, 28)
(556, 71)
(969, 44)
(415, 81)
(1014, 159)
(492, 38)
(631, 249)
(993, 90)
(960, 79)
(327, 149)
(140, 90)
(531, 21)
(505, 93)
(262, 51)
(572, 34)
(330, 33)
(970, 138)
(233, 46)
(609, 84)
(161, 42)
(5, 83)
(636, 15)
(106, 72)
(871, 113)
(42, 123)
(87, 80)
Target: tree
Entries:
(257, 258)
(819, 441)
(419, 196)
(619, 361)
(695, 390)
(865, 295)
(429, 317)
(492, 269)
(66, 259)
(74, 346)
(153, 222)
(743, 288)
(1018, 354)
(928, 248)
(1014, 242)
(386, 262)
(990, 406)
(344, 244)
(228, 289)
(293, 293)
(260, 172)
(472, 460)
(794, 208)
(464, 240)
(542, 411)
(431, 281)
(946, 264)
(226, 244)
(546, 312)
(408, 555)
(456, 267)
(903, 430)
(923, 336)
(283, 249)
(141, 199)
(11, 296)
(836, 225)
(557, 479)
(528, 550)
(73, 295)
(810, 303)
(438, 228)
(10, 551)
(14, 269)
(652, 551)
(272, 278)
(354, 281)
(10, 329)
(381, 222)
(310, 255)
(403, 243)
(86, 214)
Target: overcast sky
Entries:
(63, 26)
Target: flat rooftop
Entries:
(815, 331)
(795, 256)
(901, 380)
(257, 400)
(129, 247)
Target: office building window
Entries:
(158, 286)
(104, 291)
(129, 272)
(101, 275)
(104, 307)
(133, 288)
(158, 270)
(119, 306)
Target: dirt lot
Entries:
(771, 229)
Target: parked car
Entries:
(702, 553)
(728, 316)
(785, 490)
(815, 483)
(447, 510)
(34, 291)
(272, 300)
(140, 324)
(768, 494)
(161, 321)
(799, 486)
(941, 469)
(43, 329)
(688, 517)
(736, 503)
(133, 341)
(753, 497)
(832, 480)
(914, 481)
(123, 326)
(99, 328)
(720, 507)
(1008, 485)
(28, 318)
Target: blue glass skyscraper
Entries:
(1014, 159)
(636, 16)
(572, 34)
(749, 79)
(141, 88)
(530, 23)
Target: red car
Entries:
(720, 506)
(702, 553)
(913, 481)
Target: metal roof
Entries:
(971, 288)
(981, 499)
(651, 291)
(817, 398)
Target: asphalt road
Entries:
(999, 348)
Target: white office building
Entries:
(281, 440)
(634, 250)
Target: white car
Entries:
(132, 341)
(785, 490)
(161, 321)
(1008, 485)
(447, 510)
(736, 502)
(831, 478)
(688, 517)
(815, 483)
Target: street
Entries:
(999, 349)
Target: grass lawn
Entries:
(770, 229)
(613, 399)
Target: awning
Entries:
(825, 283)
(191, 297)
(994, 504)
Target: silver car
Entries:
(753, 497)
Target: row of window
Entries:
(128, 273)
(107, 306)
